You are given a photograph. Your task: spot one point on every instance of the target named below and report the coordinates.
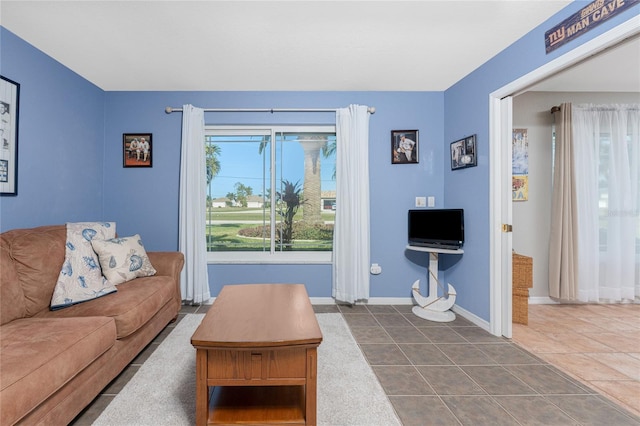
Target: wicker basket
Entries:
(522, 274)
(520, 305)
(522, 271)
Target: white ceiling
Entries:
(274, 45)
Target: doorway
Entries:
(501, 114)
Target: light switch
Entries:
(421, 201)
(432, 202)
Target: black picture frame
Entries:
(463, 153)
(9, 119)
(137, 150)
(404, 147)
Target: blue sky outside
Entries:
(240, 161)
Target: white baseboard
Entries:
(390, 301)
(371, 301)
(409, 301)
(322, 300)
(541, 300)
(472, 317)
(332, 301)
(545, 300)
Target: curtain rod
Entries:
(169, 110)
(597, 108)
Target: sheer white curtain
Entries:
(351, 231)
(607, 157)
(194, 281)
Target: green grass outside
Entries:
(224, 237)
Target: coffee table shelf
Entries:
(260, 405)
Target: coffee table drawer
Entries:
(256, 364)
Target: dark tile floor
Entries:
(446, 374)
(458, 374)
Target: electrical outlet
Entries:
(421, 201)
(376, 269)
(432, 201)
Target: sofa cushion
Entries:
(39, 355)
(81, 277)
(132, 306)
(123, 259)
(37, 255)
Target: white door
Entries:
(506, 191)
(500, 216)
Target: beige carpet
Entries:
(163, 391)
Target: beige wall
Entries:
(531, 219)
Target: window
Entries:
(271, 193)
(610, 158)
(605, 165)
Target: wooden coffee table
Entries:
(256, 357)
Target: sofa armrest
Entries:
(167, 263)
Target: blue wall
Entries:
(61, 140)
(70, 159)
(466, 113)
(71, 163)
(152, 194)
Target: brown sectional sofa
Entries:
(54, 363)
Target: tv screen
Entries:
(438, 228)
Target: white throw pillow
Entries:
(123, 259)
(81, 278)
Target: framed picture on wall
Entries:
(137, 150)
(463, 153)
(404, 147)
(9, 109)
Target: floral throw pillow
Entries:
(81, 278)
(123, 259)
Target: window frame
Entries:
(271, 257)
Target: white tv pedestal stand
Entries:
(434, 308)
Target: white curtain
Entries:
(607, 157)
(351, 231)
(194, 281)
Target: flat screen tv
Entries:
(437, 228)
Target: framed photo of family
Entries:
(9, 109)
(463, 153)
(404, 147)
(137, 150)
